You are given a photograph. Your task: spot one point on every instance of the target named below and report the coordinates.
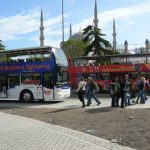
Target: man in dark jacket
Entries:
(91, 92)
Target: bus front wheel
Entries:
(26, 96)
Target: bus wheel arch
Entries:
(26, 96)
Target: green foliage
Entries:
(74, 48)
(95, 42)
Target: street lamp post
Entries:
(62, 21)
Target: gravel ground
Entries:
(131, 127)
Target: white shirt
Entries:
(82, 85)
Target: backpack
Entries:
(95, 86)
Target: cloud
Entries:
(121, 14)
(24, 23)
(125, 13)
(19, 24)
(52, 42)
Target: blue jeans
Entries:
(142, 96)
(113, 100)
(90, 95)
(127, 98)
(138, 96)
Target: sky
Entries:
(20, 21)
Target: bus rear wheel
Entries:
(26, 96)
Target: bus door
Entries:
(48, 85)
(3, 86)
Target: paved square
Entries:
(20, 133)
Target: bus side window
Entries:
(31, 78)
(14, 80)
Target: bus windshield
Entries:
(60, 57)
(62, 75)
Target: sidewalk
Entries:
(20, 133)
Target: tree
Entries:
(74, 48)
(2, 47)
(95, 42)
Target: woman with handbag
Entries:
(81, 91)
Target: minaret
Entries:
(70, 30)
(41, 30)
(95, 20)
(147, 46)
(114, 35)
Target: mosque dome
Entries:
(77, 36)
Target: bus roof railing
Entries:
(112, 56)
(27, 51)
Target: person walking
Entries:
(141, 89)
(138, 82)
(81, 91)
(147, 87)
(87, 91)
(127, 90)
(117, 91)
(91, 93)
(122, 92)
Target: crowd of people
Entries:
(120, 89)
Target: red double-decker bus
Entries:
(104, 68)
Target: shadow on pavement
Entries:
(102, 109)
(9, 104)
(73, 106)
(59, 110)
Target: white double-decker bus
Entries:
(37, 73)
